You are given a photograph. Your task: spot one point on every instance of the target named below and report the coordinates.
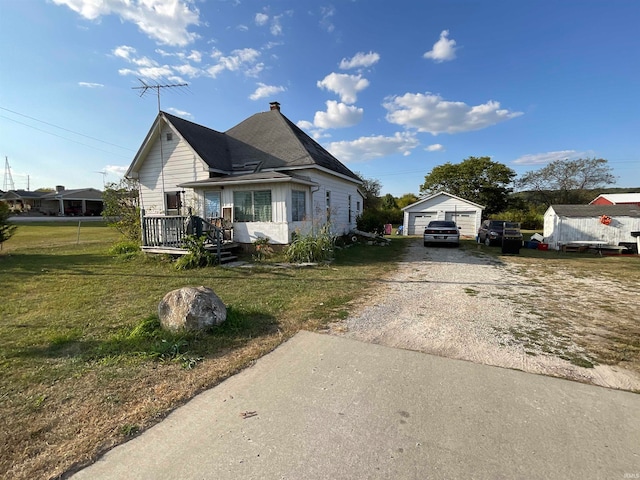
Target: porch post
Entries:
(143, 227)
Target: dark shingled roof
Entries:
(271, 138)
(266, 140)
(210, 145)
(624, 210)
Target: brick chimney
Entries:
(59, 188)
(274, 106)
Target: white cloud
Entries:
(325, 20)
(430, 113)
(118, 170)
(443, 50)
(261, 19)
(195, 56)
(188, 70)
(368, 148)
(243, 58)
(165, 21)
(544, 158)
(180, 113)
(347, 86)
(124, 51)
(360, 60)
(90, 85)
(255, 70)
(436, 147)
(128, 53)
(276, 26)
(305, 124)
(264, 91)
(338, 115)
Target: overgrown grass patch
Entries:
(84, 364)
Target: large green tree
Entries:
(6, 229)
(371, 189)
(478, 179)
(407, 199)
(567, 181)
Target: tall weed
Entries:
(312, 247)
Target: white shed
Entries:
(610, 224)
(442, 206)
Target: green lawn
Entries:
(83, 363)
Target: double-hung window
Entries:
(298, 205)
(252, 206)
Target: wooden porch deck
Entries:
(168, 234)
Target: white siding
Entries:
(561, 230)
(181, 165)
(280, 230)
(340, 191)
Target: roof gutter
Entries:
(204, 183)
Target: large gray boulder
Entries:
(191, 308)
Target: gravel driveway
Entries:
(463, 304)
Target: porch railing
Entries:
(171, 231)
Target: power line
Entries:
(61, 128)
(65, 138)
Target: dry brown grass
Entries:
(75, 379)
(586, 301)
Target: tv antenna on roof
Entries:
(104, 177)
(146, 87)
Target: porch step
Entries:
(226, 254)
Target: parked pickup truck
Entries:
(491, 232)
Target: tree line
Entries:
(495, 186)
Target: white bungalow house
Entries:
(264, 177)
(442, 206)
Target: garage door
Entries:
(417, 222)
(465, 220)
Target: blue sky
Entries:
(391, 88)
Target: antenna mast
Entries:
(146, 87)
(8, 179)
(157, 87)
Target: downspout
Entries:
(313, 222)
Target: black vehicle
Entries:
(491, 232)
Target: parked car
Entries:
(442, 231)
(491, 232)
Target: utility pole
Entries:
(8, 179)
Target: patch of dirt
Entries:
(467, 305)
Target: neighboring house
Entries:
(20, 201)
(609, 224)
(442, 206)
(265, 177)
(616, 199)
(82, 201)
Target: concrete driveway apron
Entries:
(323, 407)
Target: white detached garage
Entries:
(442, 206)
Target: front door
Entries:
(211, 205)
